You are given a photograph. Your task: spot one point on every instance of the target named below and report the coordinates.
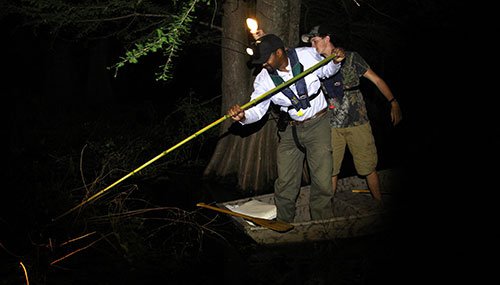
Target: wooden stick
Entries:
(360, 191)
(366, 191)
(270, 224)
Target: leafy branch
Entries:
(167, 38)
(148, 25)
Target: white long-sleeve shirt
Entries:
(263, 83)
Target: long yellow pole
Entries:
(244, 107)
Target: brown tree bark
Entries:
(251, 158)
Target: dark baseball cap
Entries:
(320, 30)
(265, 46)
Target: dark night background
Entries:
(57, 97)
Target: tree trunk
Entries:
(281, 18)
(248, 152)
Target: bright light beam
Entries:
(252, 25)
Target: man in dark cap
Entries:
(349, 118)
(308, 132)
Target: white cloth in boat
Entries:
(255, 209)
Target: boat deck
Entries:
(355, 213)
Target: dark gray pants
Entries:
(314, 135)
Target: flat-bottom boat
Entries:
(356, 213)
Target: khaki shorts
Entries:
(361, 144)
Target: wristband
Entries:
(392, 100)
